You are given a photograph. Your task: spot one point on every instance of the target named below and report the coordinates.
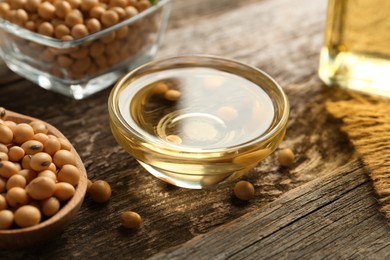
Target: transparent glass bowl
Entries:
(224, 119)
(84, 66)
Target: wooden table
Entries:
(322, 207)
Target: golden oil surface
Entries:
(356, 54)
(209, 108)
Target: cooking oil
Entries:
(195, 126)
(356, 54)
(213, 109)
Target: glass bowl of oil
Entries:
(196, 121)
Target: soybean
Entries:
(61, 30)
(46, 10)
(26, 161)
(93, 25)
(160, 88)
(174, 139)
(96, 12)
(16, 180)
(3, 203)
(17, 197)
(131, 219)
(40, 161)
(130, 11)
(49, 174)
(40, 137)
(64, 191)
(7, 169)
(79, 31)
(3, 184)
(286, 157)
(172, 95)
(73, 18)
(244, 190)
(28, 174)
(89, 184)
(41, 188)
(10, 124)
(52, 167)
(6, 134)
(22, 133)
(100, 191)
(109, 18)
(6, 219)
(62, 8)
(32, 5)
(46, 29)
(27, 216)
(3, 156)
(69, 173)
(39, 127)
(3, 148)
(50, 206)
(63, 157)
(227, 113)
(32, 147)
(87, 5)
(16, 153)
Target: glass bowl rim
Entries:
(117, 118)
(56, 43)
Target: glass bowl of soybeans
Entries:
(79, 47)
(196, 121)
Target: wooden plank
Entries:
(173, 216)
(332, 217)
(254, 32)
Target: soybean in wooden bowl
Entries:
(54, 225)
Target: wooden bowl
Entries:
(24, 237)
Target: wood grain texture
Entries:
(283, 38)
(325, 215)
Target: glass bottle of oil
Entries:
(356, 54)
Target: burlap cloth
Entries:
(366, 120)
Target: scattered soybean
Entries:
(244, 190)
(131, 219)
(100, 191)
(286, 157)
